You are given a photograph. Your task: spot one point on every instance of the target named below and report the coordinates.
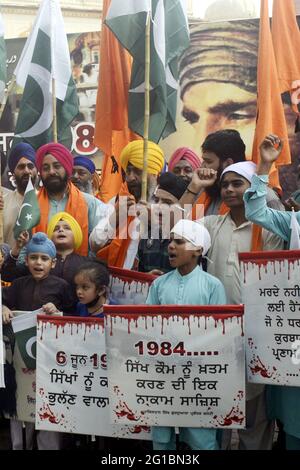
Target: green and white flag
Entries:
(29, 214)
(46, 56)
(2, 60)
(169, 38)
(24, 327)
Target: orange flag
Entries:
(111, 128)
(270, 113)
(286, 41)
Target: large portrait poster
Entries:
(176, 365)
(129, 287)
(72, 383)
(271, 294)
(217, 85)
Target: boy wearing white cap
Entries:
(188, 284)
(230, 234)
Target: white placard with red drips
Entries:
(176, 365)
(71, 379)
(271, 294)
(129, 287)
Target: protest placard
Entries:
(129, 287)
(72, 384)
(271, 294)
(176, 365)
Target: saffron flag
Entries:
(45, 57)
(169, 38)
(29, 214)
(111, 127)
(2, 60)
(286, 41)
(270, 112)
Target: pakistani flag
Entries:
(45, 57)
(29, 214)
(2, 60)
(169, 38)
(24, 327)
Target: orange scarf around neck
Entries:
(76, 206)
(115, 253)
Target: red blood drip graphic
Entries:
(46, 414)
(245, 265)
(257, 367)
(111, 326)
(125, 411)
(235, 416)
(189, 325)
(242, 325)
(139, 429)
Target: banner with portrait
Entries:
(217, 85)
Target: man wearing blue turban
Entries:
(21, 163)
(83, 171)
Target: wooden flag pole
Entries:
(147, 108)
(54, 122)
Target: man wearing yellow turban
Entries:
(111, 242)
(132, 163)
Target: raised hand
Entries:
(203, 178)
(270, 148)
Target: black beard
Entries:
(55, 184)
(135, 190)
(22, 182)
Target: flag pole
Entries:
(147, 107)
(54, 122)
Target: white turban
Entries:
(193, 232)
(244, 169)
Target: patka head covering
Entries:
(40, 243)
(224, 52)
(193, 232)
(74, 226)
(86, 162)
(19, 151)
(244, 169)
(172, 184)
(60, 152)
(133, 154)
(184, 153)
